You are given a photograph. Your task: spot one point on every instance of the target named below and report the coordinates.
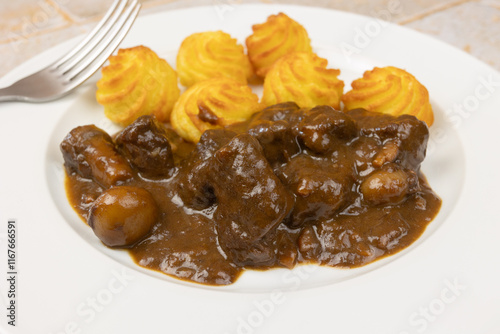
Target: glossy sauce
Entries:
(326, 194)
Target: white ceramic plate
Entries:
(68, 282)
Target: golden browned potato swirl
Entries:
(211, 104)
(303, 78)
(390, 90)
(271, 40)
(135, 83)
(212, 54)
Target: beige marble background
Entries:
(28, 27)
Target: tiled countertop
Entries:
(28, 27)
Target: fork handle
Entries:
(7, 94)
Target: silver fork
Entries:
(78, 65)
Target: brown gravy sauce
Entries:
(184, 243)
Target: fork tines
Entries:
(99, 44)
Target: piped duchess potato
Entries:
(212, 54)
(212, 104)
(390, 90)
(135, 83)
(303, 78)
(278, 36)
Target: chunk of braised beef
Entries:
(144, 143)
(197, 176)
(251, 200)
(323, 128)
(276, 248)
(275, 128)
(287, 111)
(188, 250)
(91, 153)
(309, 244)
(287, 249)
(406, 131)
(365, 150)
(389, 230)
(344, 245)
(321, 187)
(257, 254)
(181, 149)
(209, 143)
